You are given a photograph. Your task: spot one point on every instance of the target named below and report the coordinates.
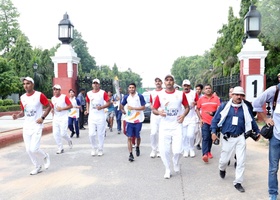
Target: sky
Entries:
(146, 36)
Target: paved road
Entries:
(75, 174)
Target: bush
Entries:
(1, 102)
(10, 108)
(7, 102)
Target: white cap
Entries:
(186, 82)
(157, 78)
(169, 76)
(96, 80)
(28, 79)
(238, 90)
(56, 86)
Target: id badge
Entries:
(235, 120)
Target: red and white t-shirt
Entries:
(171, 103)
(32, 105)
(191, 117)
(97, 99)
(61, 101)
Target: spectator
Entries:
(81, 98)
(73, 116)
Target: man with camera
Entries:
(235, 120)
(271, 96)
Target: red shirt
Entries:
(206, 105)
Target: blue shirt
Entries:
(227, 126)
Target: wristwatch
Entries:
(43, 117)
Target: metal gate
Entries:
(221, 85)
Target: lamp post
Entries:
(252, 22)
(65, 30)
(35, 67)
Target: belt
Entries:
(233, 135)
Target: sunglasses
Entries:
(95, 83)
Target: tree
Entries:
(21, 53)
(9, 26)
(270, 37)
(80, 46)
(9, 82)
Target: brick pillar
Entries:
(252, 65)
(65, 68)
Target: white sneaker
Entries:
(153, 154)
(60, 151)
(70, 144)
(192, 153)
(158, 154)
(100, 153)
(186, 154)
(93, 152)
(36, 170)
(167, 174)
(47, 161)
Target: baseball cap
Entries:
(186, 82)
(96, 80)
(238, 90)
(56, 86)
(28, 79)
(157, 78)
(278, 75)
(169, 76)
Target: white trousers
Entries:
(32, 145)
(239, 145)
(170, 138)
(60, 128)
(198, 135)
(188, 137)
(155, 120)
(96, 131)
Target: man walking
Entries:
(206, 108)
(31, 104)
(274, 143)
(168, 104)
(155, 120)
(96, 101)
(81, 98)
(134, 117)
(61, 106)
(235, 120)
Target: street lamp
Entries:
(65, 30)
(35, 67)
(252, 22)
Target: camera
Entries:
(253, 135)
(217, 141)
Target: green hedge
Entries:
(10, 108)
(6, 102)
